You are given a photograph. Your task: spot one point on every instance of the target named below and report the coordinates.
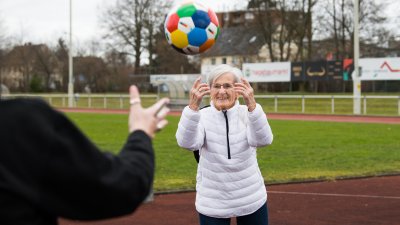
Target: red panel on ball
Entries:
(213, 17)
(172, 23)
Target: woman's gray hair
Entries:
(222, 69)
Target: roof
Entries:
(237, 41)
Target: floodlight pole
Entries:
(70, 62)
(356, 73)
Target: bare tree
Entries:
(2, 34)
(124, 23)
(304, 28)
(61, 52)
(90, 71)
(2, 53)
(45, 65)
(267, 14)
(21, 58)
(153, 23)
(336, 22)
(119, 68)
(284, 24)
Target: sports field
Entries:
(302, 150)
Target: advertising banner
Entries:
(380, 68)
(160, 78)
(335, 70)
(348, 68)
(320, 70)
(315, 70)
(297, 73)
(267, 72)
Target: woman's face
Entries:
(223, 93)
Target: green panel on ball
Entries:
(186, 10)
(216, 36)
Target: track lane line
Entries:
(333, 195)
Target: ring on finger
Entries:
(134, 101)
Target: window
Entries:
(234, 60)
(212, 61)
(223, 60)
(226, 16)
(249, 16)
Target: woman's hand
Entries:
(151, 119)
(198, 91)
(245, 90)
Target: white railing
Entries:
(324, 104)
(394, 103)
(105, 101)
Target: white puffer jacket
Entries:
(226, 187)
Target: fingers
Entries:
(240, 88)
(158, 107)
(196, 83)
(162, 113)
(240, 91)
(245, 82)
(242, 85)
(203, 85)
(203, 88)
(204, 93)
(161, 124)
(244, 89)
(134, 96)
(245, 86)
(200, 87)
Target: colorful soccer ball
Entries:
(191, 28)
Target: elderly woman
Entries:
(229, 181)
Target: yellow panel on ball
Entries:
(179, 39)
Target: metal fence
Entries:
(307, 104)
(330, 104)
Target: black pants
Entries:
(259, 217)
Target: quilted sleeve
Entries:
(190, 133)
(259, 132)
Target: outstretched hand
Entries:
(244, 89)
(151, 119)
(198, 91)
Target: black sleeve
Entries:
(57, 168)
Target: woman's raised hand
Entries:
(198, 91)
(245, 90)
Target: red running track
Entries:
(368, 201)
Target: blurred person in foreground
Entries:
(227, 134)
(50, 169)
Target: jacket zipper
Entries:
(227, 132)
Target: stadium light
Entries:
(356, 73)
(70, 66)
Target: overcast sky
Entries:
(47, 20)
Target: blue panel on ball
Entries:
(197, 37)
(201, 19)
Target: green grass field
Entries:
(301, 150)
